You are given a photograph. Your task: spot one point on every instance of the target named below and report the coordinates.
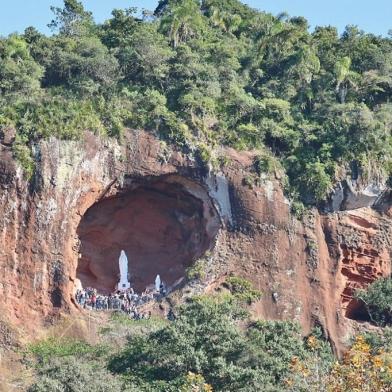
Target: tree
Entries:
(116, 31)
(360, 370)
(75, 375)
(182, 20)
(72, 20)
(206, 342)
(144, 57)
(203, 340)
(83, 64)
(19, 73)
(378, 300)
(345, 78)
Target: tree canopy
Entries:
(208, 73)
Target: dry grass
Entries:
(14, 375)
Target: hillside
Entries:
(239, 156)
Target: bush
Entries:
(242, 289)
(377, 298)
(44, 351)
(206, 340)
(361, 370)
(23, 155)
(197, 270)
(76, 375)
(203, 340)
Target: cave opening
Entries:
(356, 310)
(163, 224)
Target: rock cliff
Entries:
(91, 198)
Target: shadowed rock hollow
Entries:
(160, 224)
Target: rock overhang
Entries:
(164, 224)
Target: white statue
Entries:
(157, 283)
(123, 284)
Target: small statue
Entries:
(157, 283)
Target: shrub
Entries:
(23, 154)
(242, 289)
(206, 343)
(377, 298)
(76, 375)
(380, 340)
(195, 383)
(360, 370)
(44, 351)
(203, 339)
(298, 209)
(265, 164)
(197, 270)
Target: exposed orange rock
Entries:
(91, 198)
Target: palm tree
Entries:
(227, 22)
(345, 78)
(182, 21)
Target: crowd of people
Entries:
(126, 301)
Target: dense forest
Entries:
(201, 74)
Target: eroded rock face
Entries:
(361, 245)
(92, 198)
(351, 194)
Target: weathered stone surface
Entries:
(351, 194)
(306, 270)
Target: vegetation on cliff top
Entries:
(203, 73)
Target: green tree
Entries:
(345, 77)
(145, 57)
(182, 20)
(72, 20)
(116, 31)
(205, 339)
(378, 300)
(82, 64)
(19, 73)
(75, 375)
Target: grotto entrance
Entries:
(163, 224)
(356, 310)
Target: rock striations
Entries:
(88, 199)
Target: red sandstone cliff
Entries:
(91, 198)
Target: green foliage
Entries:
(266, 164)
(242, 289)
(83, 65)
(274, 345)
(377, 298)
(44, 351)
(197, 270)
(380, 340)
(196, 383)
(206, 340)
(144, 55)
(72, 19)
(203, 339)
(73, 375)
(23, 154)
(181, 21)
(19, 73)
(298, 209)
(210, 346)
(205, 73)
